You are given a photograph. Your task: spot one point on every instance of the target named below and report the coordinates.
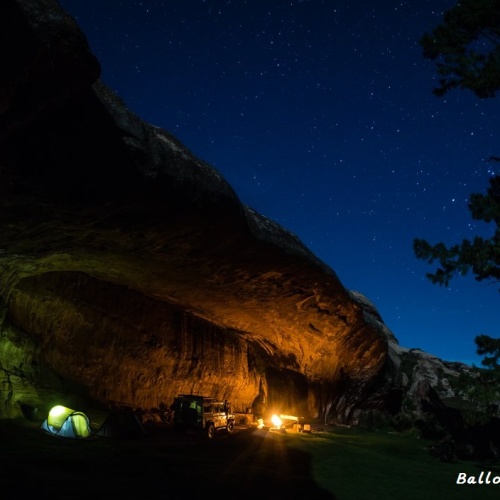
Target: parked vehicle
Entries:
(203, 414)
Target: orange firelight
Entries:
(277, 422)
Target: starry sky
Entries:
(320, 114)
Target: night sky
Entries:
(321, 116)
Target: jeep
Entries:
(203, 414)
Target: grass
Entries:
(340, 465)
(356, 464)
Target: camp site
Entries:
(112, 454)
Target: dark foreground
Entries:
(248, 464)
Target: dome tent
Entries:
(120, 423)
(65, 422)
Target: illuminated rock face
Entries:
(130, 271)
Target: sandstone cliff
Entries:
(131, 272)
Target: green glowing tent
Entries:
(66, 422)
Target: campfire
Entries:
(284, 423)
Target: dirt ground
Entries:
(247, 464)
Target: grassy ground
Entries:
(251, 464)
(358, 464)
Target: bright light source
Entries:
(58, 410)
(57, 416)
(276, 421)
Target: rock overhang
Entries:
(93, 197)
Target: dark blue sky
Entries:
(321, 116)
